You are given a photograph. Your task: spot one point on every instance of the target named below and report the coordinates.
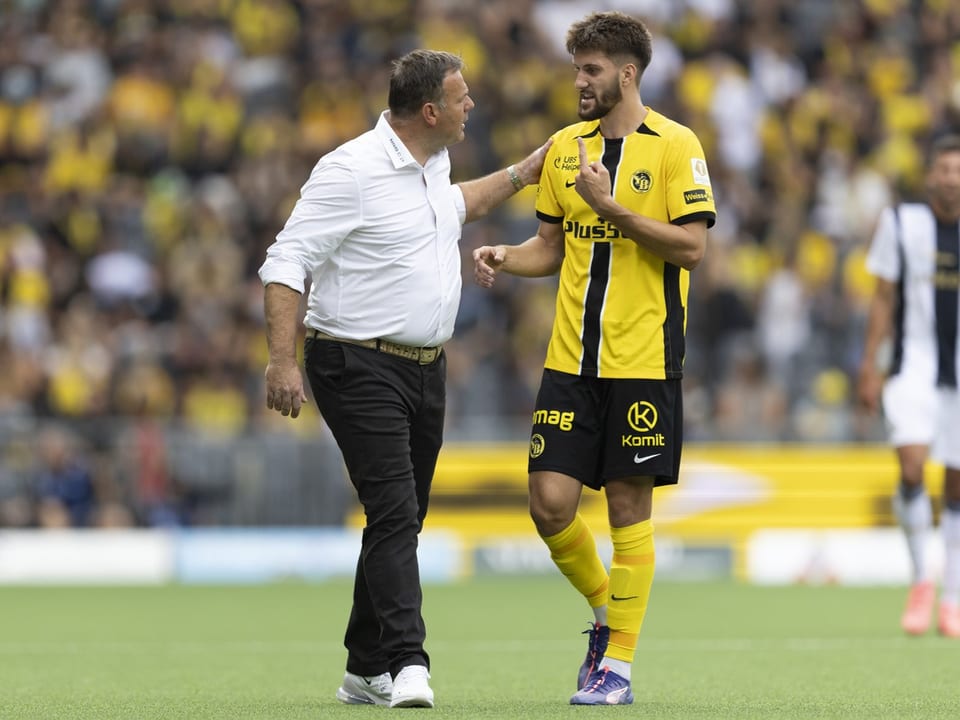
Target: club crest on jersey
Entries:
(641, 181)
(537, 444)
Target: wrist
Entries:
(515, 179)
(606, 207)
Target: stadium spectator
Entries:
(115, 118)
(64, 485)
(376, 230)
(624, 206)
(915, 256)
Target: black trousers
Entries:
(386, 414)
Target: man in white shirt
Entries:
(377, 228)
(915, 256)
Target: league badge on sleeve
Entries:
(700, 175)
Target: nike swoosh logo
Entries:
(570, 183)
(620, 599)
(637, 459)
(613, 698)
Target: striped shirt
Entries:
(921, 255)
(621, 310)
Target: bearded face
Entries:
(943, 185)
(599, 98)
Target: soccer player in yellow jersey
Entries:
(624, 205)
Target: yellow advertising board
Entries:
(725, 491)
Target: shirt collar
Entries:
(394, 146)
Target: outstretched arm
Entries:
(484, 194)
(284, 383)
(538, 256)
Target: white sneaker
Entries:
(369, 690)
(410, 688)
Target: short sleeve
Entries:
(883, 259)
(689, 192)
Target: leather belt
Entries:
(422, 355)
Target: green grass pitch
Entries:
(501, 648)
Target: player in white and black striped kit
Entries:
(915, 256)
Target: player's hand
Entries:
(593, 180)
(530, 167)
(487, 260)
(869, 388)
(285, 388)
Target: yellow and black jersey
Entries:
(621, 310)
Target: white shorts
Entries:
(909, 410)
(946, 445)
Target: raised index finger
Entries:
(583, 153)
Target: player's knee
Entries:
(550, 518)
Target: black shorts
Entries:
(598, 429)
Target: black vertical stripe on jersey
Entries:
(612, 150)
(674, 345)
(945, 307)
(599, 275)
(898, 312)
(896, 361)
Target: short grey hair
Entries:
(417, 78)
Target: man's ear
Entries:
(628, 74)
(430, 113)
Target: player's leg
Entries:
(949, 615)
(554, 498)
(564, 448)
(553, 506)
(644, 421)
(912, 507)
(946, 451)
(910, 409)
(631, 578)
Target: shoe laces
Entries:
(594, 637)
(599, 679)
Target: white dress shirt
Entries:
(379, 234)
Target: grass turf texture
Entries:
(501, 648)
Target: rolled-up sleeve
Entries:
(329, 208)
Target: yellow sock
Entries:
(574, 551)
(631, 575)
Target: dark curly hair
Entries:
(615, 35)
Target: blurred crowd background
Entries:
(150, 150)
